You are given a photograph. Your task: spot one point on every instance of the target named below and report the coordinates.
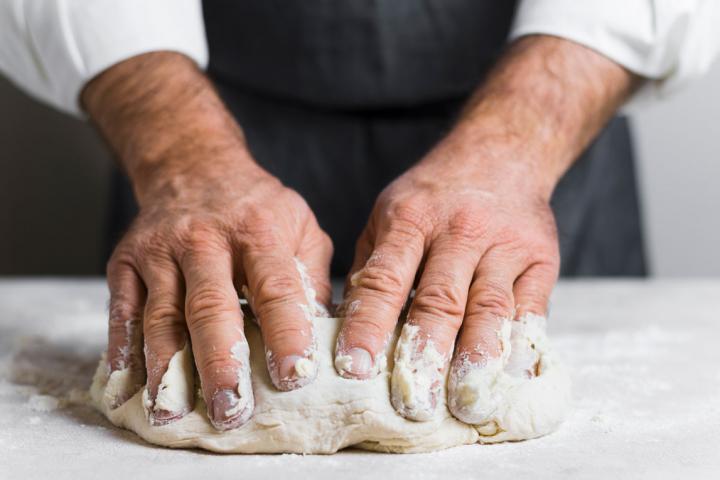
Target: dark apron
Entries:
(339, 97)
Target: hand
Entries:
(470, 226)
(483, 248)
(212, 224)
(192, 250)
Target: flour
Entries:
(305, 368)
(516, 391)
(333, 412)
(175, 392)
(643, 358)
(43, 403)
(417, 379)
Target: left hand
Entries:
(472, 229)
(471, 225)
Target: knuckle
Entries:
(467, 226)
(206, 304)
(122, 259)
(162, 313)
(376, 280)
(552, 254)
(260, 232)
(535, 286)
(152, 249)
(491, 299)
(545, 242)
(319, 246)
(114, 265)
(513, 250)
(441, 301)
(166, 328)
(202, 237)
(408, 217)
(258, 219)
(122, 312)
(273, 287)
(550, 269)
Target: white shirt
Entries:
(51, 48)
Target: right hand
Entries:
(211, 223)
(198, 241)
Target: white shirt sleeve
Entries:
(51, 48)
(669, 42)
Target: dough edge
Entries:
(335, 413)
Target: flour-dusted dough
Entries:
(333, 413)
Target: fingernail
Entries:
(228, 411)
(355, 363)
(156, 416)
(164, 417)
(294, 372)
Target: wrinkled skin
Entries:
(487, 251)
(469, 226)
(193, 251)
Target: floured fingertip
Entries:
(175, 396)
(293, 371)
(474, 394)
(417, 378)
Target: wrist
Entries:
(166, 125)
(488, 151)
(537, 111)
(183, 176)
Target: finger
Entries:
(532, 293)
(533, 288)
(124, 356)
(377, 295)
(426, 343)
(363, 250)
(284, 311)
(169, 395)
(215, 321)
(315, 254)
(483, 343)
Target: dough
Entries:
(333, 413)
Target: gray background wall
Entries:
(54, 169)
(678, 144)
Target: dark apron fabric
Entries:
(339, 97)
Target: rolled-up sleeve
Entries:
(669, 42)
(51, 48)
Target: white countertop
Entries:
(644, 356)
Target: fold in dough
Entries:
(333, 413)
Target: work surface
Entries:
(644, 357)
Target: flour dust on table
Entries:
(333, 413)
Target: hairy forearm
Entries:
(541, 105)
(164, 122)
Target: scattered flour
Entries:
(43, 403)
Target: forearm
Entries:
(164, 122)
(542, 104)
